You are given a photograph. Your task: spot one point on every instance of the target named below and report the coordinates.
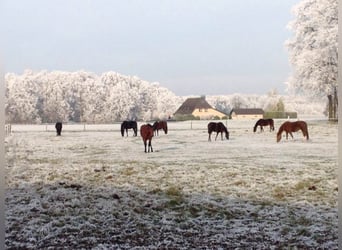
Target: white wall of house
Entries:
(207, 113)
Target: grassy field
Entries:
(93, 189)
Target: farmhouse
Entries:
(254, 113)
(198, 107)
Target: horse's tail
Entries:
(165, 128)
(135, 128)
(122, 129)
(272, 124)
(306, 134)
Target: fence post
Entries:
(84, 127)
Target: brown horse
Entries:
(146, 132)
(159, 125)
(264, 122)
(290, 127)
(218, 128)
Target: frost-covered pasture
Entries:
(91, 188)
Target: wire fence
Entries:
(8, 129)
(78, 127)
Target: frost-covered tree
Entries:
(22, 97)
(313, 50)
(84, 97)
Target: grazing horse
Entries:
(58, 127)
(264, 122)
(128, 125)
(159, 125)
(146, 132)
(218, 128)
(290, 127)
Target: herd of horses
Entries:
(147, 131)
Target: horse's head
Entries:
(279, 136)
(155, 125)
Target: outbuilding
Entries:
(247, 113)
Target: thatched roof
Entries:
(191, 104)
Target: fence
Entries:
(8, 129)
(78, 127)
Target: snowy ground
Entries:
(94, 189)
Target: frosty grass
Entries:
(92, 189)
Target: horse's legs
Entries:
(221, 136)
(209, 137)
(145, 144)
(261, 128)
(150, 145)
(291, 134)
(216, 135)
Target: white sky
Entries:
(189, 46)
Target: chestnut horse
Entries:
(218, 128)
(264, 122)
(146, 132)
(290, 127)
(129, 125)
(159, 125)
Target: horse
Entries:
(146, 132)
(264, 122)
(157, 125)
(58, 127)
(129, 125)
(290, 127)
(218, 128)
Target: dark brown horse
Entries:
(218, 128)
(159, 125)
(264, 122)
(129, 125)
(146, 132)
(58, 127)
(290, 127)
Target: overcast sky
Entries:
(192, 47)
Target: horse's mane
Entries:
(224, 128)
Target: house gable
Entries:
(198, 107)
